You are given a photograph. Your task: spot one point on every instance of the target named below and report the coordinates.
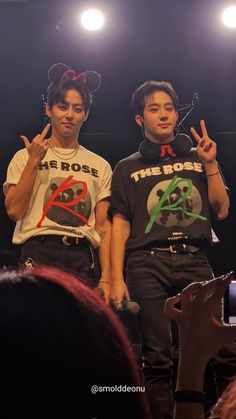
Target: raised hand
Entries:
(206, 148)
(37, 149)
(200, 332)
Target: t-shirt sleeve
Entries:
(105, 185)
(15, 169)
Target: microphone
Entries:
(195, 105)
(195, 100)
(130, 306)
(126, 304)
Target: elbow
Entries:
(222, 215)
(221, 210)
(13, 214)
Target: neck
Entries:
(63, 142)
(161, 141)
(158, 140)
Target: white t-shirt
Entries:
(64, 196)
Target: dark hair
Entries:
(60, 339)
(147, 89)
(56, 92)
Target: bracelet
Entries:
(104, 282)
(185, 396)
(213, 174)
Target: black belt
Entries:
(65, 240)
(178, 248)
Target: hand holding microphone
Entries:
(129, 306)
(125, 305)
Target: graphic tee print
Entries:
(67, 202)
(174, 203)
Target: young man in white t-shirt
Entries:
(57, 191)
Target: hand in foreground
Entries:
(199, 331)
(38, 148)
(206, 148)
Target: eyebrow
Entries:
(158, 104)
(64, 102)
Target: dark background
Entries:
(181, 41)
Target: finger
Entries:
(206, 143)
(189, 293)
(99, 291)
(203, 128)
(25, 141)
(195, 134)
(169, 308)
(220, 285)
(116, 302)
(45, 131)
(212, 291)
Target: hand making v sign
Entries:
(206, 148)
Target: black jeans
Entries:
(152, 277)
(80, 259)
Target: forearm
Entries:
(120, 234)
(217, 193)
(18, 196)
(104, 232)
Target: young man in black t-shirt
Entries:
(162, 200)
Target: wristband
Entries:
(213, 174)
(185, 396)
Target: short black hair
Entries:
(56, 92)
(147, 89)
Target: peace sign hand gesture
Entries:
(206, 148)
(38, 148)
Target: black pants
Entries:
(152, 277)
(80, 259)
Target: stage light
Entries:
(92, 19)
(229, 17)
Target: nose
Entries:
(163, 114)
(69, 113)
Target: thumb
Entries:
(25, 141)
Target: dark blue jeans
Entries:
(152, 277)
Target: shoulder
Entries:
(127, 161)
(20, 155)
(95, 157)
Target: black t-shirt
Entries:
(165, 202)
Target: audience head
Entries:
(60, 338)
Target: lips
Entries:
(164, 125)
(67, 124)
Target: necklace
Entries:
(64, 156)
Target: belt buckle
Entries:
(182, 248)
(65, 241)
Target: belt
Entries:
(65, 240)
(179, 248)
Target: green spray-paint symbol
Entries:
(173, 206)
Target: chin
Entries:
(165, 137)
